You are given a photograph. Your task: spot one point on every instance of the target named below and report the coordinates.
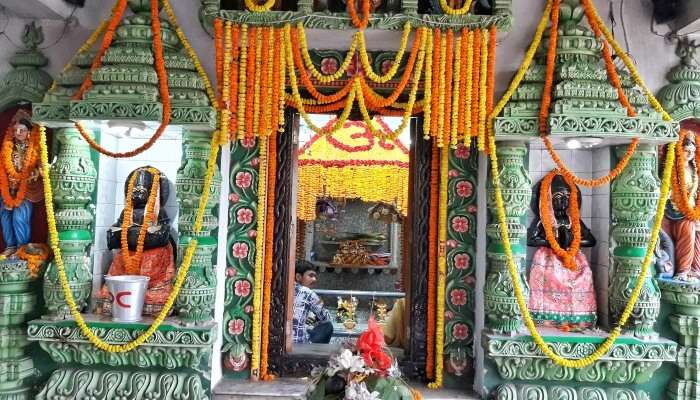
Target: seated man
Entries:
(306, 302)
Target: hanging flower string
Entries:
(568, 256)
(679, 194)
(258, 275)
(432, 260)
(9, 175)
(132, 264)
(268, 234)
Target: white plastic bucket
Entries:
(128, 293)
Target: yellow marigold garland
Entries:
(259, 259)
(319, 76)
(469, 98)
(441, 95)
(225, 112)
(447, 9)
(456, 91)
(182, 271)
(251, 5)
(441, 268)
(364, 57)
(258, 64)
(427, 93)
(481, 139)
(242, 84)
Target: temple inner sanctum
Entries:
(349, 200)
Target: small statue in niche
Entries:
(20, 177)
(151, 252)
(561, 294)
(664, 256)
(684, 231)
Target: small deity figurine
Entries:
(561, 295)
(684, 231)
(20, 180)
(151, 248)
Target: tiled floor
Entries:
(294, 389)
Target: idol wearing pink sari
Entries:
(560, 297)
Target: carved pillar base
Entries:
(195, 302)
(110, 384)
(78, 269)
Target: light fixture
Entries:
(585, 142)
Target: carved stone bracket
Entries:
(100, 384)
(512, 391)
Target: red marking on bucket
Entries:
(119, 297)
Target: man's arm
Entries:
(316, 307)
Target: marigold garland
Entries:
(250, 81)
(34, 261)
(442, 71)
(224, 111)
(549, 76)
(243, 84)
(427, 95)
(468, 90)
(360, 24)
(256, 339)
(219, 56)
(568, 256)
(447, 9)
(260, 54)
(117, 13)
(679, 193)
(491, 74)
(132, 264)
(476, 73)
(447, 91)
(311, 67)
(436, 92)
(233, 92)
(441, 268)
(364, 57)
(483, 90)
(9, 175)
(251, 5)
(268, 267)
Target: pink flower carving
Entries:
(234, 198)
(240, 250)
(236, 326)
(462, 261)
(248, 309)
(244, 216)
(460, 224)
(252, 233)
(236, 362)
(472, 209)
(465, 189)
(329, 65)
(451, 243)
(248, 143)
(449, 315)
(453, 173)
(255, 162)
(458, 297)
(242, 288)
(460, 331)
(462, 151)
(231, 272)
(244, 179)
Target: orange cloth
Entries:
(687, 244)
(157, 264)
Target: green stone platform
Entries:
(631, 360)
(173, 364)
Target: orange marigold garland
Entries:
(679, 192)
(131, 265)
(447, 92)
(476, 73)
(9, 176)
(250, 81)
(260, 54)
(549, 77)
(233, 93)
(567, 256)
(491, 78)
(117, 13)
(35, 259)
(356, 21)
(219, 55)
(463, 94)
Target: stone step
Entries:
(295, 388)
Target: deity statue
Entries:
(154, 243)
(684, 231)
(561, 295)
(664, 256)
(20, 180)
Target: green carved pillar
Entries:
(634, 195)
(195, 302)
(73, 176)
(500, 306)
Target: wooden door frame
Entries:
(285, 363)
